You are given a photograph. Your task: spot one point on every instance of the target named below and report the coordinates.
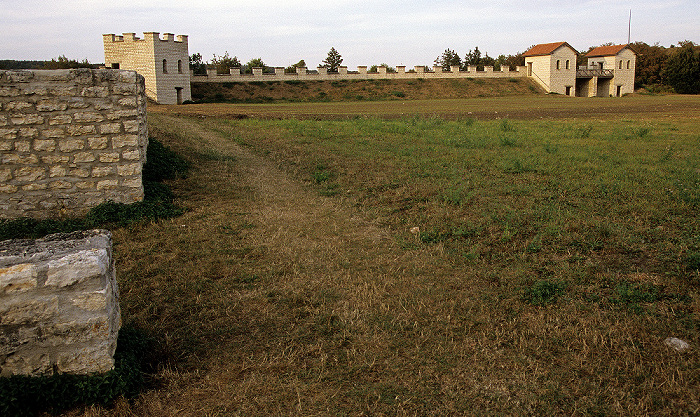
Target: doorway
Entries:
(178, 92)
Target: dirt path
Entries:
(319, 264)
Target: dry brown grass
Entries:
(269, 299)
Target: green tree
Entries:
(196, 64)
(448, 59)
(682, 71)
(224, 63)
(293, 68)
(255, 63)
(651, 60)
(332, 61)
(472, 58)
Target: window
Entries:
(179, 66)
(628, 64)
(115, 65)
(620, 64)
(557, 64)
(567, 64)
(165, 66)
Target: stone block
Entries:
(35, 187)
(18, 278)
(127, 170)
(71, 145)
(57, 171)
(99, 142)
(61, 119)
(51, 105)
(48, 145)
(121, 141)
(29, 174)
(107, 184)
(98, 172)
(26, 119)
(82, 157)
(109, 157)
(60, 185)
(22, 146)
(110, 128)
(50, 320)
(87, 117)
(28, 132)
(79, 130)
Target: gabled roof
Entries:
(546, 49)
(610, 50)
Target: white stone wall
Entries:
(623, 65)
(59, 305)
(551, 72)
(70, 140)
(146, 56)
(303, 74)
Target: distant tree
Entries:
(196, 64)
(64, 63)
(682, 71)
(513, 61)
(448, 59)
(488, 61)
(224, 63)
(332, 61)
(9, 64)
(472, 58)
(650, 63)
(375, 68)
(255, 63)
(293, 68)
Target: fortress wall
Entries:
(145, 56)
(59, 305)
(321, 74)
(70, 140)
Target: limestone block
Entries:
(127, 102)
(104, 171)
(110, 128)
(99, 142)
(79, 172)
(16, 311)
(70, 145)
(60, 185)
(127, 170)
(95, 91)
(131, 126)
(87, 117)
(94, 357)
(57, 171)
(26, 119)
(82, 157)
(51, 105)
(31, 365)
(29, 174)
(77, 267)
(5, 174)
(48, 145)
(22, 146)
(8, 188)
(10, 133)
(79, 130)
(34, 187)
(107, 184)
(18, 105)
(18, 278)
(131, 155)
(6, 145)
(55, 159)
(121, 141)
(61, 119)
(109, 157)
(53, 133)
(28, 132)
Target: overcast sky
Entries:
(364, 32)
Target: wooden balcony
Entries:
(594, 72)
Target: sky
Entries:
(364, 32)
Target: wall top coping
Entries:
(30, 250)
(147, 36)
(81, 75)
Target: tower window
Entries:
(179, 66)
(620, 65)
(567, 64)
(165, 66)
(628, 64)
(557, 64)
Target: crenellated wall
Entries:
(321, 73)
(164, 63)
(70, 140)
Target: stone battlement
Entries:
(147, 37)
(322, 73)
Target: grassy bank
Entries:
(550, 261)
(359, 90)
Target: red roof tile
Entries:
(609, 50)
(545, 48)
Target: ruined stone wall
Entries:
(59, 305)
(70, 140)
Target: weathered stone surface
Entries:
(62, 119)
(59, 304)
(18, 278)
(677, 344)
(77, 267)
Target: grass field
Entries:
(435, 262)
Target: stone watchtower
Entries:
(164, 63)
